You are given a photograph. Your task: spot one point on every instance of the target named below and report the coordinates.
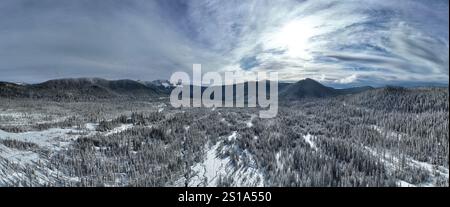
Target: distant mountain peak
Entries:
(312, 82)
(306, 88)
(310, 88)
(309, 80)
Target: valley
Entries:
(374, 137)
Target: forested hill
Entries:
(90, 89)
(81, 89)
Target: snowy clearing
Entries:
(309, 139)
(214, 170)
(392, 162)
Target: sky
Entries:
(339, 43)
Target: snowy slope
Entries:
(216, 168)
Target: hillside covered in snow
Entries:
(379, 137)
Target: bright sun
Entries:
(294, 38)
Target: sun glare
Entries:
(294, 37)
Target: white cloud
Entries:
(347, 80)
(377, 40)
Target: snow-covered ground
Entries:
(119, 129)
(17, 156)
(309, 139)
(232, 136)
(387, 133)
(54, 137)
(16, 164)
(15, 167)
(278, 159)
(210, 170)
(214, 168)
(401, 183)
(247, 174)
(161, 107)
(91, 126)
(250, 122)
(14, 118)
(391, 162)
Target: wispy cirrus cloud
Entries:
(338, 42)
